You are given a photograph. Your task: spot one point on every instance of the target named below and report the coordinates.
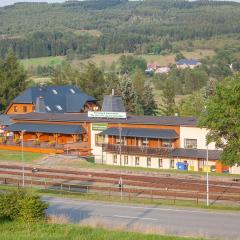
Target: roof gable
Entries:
(57, 99)
(188, 62)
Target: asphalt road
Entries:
(163, 220)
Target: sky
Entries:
(9, 2)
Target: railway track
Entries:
(133, 184)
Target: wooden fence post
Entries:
(197, 198)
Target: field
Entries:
(43, 231)
(6, 155)
(43, 61)
(108, 59)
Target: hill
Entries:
(113, 26)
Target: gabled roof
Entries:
(131, 119)
(5, 119)
(187, 62)
(57, 99)
(46, 128)
(141, 132)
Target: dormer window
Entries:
(59, 107)
(55, 91)
(48, 108)
(72, 91)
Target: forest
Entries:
(112, 26)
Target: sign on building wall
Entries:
(99, 126)
(93, 114)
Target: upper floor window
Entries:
(190, 143)
(24, 108)
(59, 107)
(55, 91)
(72, 91)
(15, 108)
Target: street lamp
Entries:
(120, 144)
(207, 178)
(23, 169)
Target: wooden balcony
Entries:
(136, 150)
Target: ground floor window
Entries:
(148, 162)
(125, 160)
(160, 162)
(136, 161)
(115, 159)
(172, 163)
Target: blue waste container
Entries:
(182, 166)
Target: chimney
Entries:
(40, 105)
(113, 103)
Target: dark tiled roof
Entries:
(113, 104)
(141, 132)
(46, 128)
(57, 99)
(187, 62)
(5, 119)
(131, 119)
(197, 153)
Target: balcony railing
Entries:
(136, 150)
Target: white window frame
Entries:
(190, 146)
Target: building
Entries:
(116, 138)
(52, 99)
(162, 70)
(187, 63)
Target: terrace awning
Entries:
(197, 153)
(141, 132)
(46, 128)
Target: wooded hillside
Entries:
(112, 26)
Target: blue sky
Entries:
(9, 2)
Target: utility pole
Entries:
(23, 169)
(207, 179)
(120, 144)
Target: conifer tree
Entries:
(168, 99)
(12, 80)
(149, 103)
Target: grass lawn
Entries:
(81, 163)
(42, 61)
(7, 155)
(47, 231)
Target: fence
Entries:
(126, 192)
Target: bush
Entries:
(91, 159)
(22, 206)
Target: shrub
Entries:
(37, 142)
(31, 209)
(21, 205)
(17, 140)
(52, 143)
